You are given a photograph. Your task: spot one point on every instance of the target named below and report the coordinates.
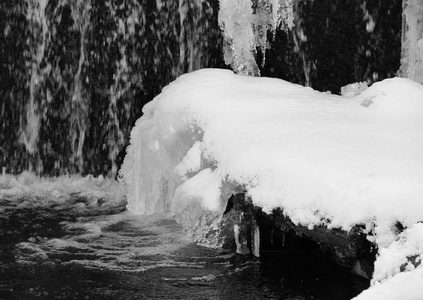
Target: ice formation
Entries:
(245, 24)
(412, 40)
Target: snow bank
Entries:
(325, 159)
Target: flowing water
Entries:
(56, 253)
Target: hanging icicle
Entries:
(245, 24)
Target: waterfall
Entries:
(36, 18)
(77, 74)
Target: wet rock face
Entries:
(350, 250)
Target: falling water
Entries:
(76, 74)
(85, 71)
(300, 38)
(36, 18)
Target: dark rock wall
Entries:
(339, 49)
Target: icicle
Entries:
(284, 12)
(237, 242)
(235, 18)
(240, 240)
(255, 240)
(245, 24)
(276, 5)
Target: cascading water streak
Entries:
(35, 15)
(86, 70)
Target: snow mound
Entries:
(325, 159)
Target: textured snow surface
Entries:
(398, 271)
(325, 159)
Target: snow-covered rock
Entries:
(326, 160)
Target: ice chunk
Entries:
(149, 170)
(191, 162)
(204, 188)
(235, 18)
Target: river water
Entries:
(51, 253)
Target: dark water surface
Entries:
(50, 254)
